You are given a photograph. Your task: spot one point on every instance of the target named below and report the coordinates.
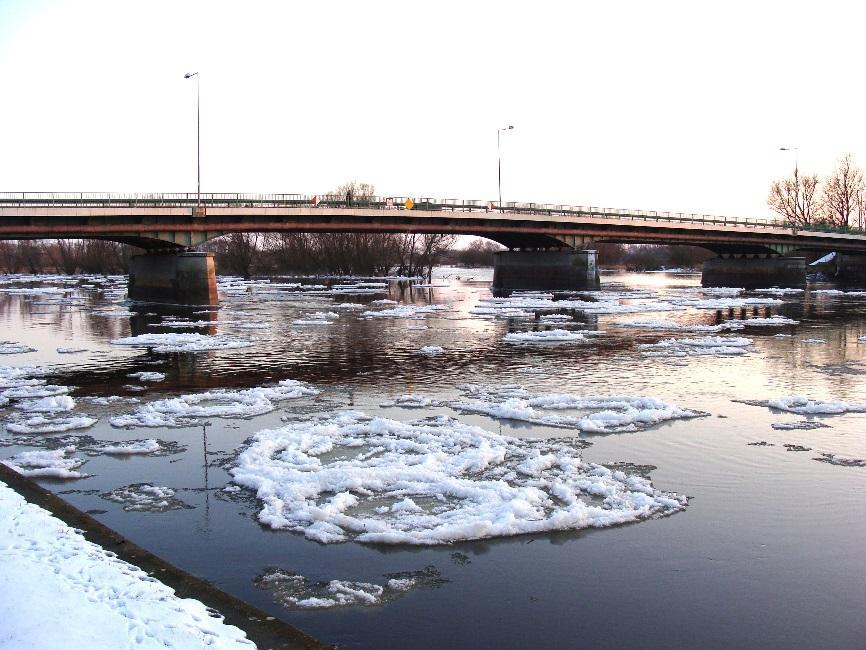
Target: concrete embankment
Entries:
(261, 628)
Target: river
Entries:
(441, 467)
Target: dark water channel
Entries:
(769, 551)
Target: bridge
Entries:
(549, 245)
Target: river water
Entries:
(404, 455)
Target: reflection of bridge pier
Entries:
(187, 278)
(545, 270)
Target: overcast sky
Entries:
(666, 106)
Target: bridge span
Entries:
(550, 246)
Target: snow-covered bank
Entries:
(64, 591)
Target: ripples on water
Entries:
(768, 551)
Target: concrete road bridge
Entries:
(549, 246)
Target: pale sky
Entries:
(660, 106)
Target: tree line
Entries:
(834, 202)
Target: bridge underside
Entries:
(747, 251)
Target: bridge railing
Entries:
(190, 200)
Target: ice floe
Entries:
(804, 425)
(143, 497)
(147, 376)
(184, 342)
(70, 350)
(412, 402)
(294, 591)
(134, 447)
(842, 461)
(772, 321)
(665, 324)
(75, 594)
(431, 350)
(595, 413)
(47, 464)
(42, 424)
(803, 405)
(186, 410)
(405, 311)
(700, 346)
(549, 336)
(34, 391)
(13, 347)
(338, 478)
(50, 404)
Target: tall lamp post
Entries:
(189, 75)
(499, 161)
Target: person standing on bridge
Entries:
(349, 198)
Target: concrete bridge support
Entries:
(173, 278)
(851, 269)
(754, 272)
(545, 270)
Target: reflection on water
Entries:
(768, 551)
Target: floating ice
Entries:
(412, 401)
(143, 497)
(294, 591)
(700, 346)
(11, 376)
(12, 347)
(134, 447)
(764, 322)
(405, 311)
(842, 461)
(337, 479)
(431, 350)
(71, 593)
(47, 464)
(147, 376)
(804, 425)
(34, 391)
(42, 424)
(184, 342)
(548, 336)
(815, 341)
(185, 410)
(778, 291)
(180, 324)
(803, 405)
(71, 350)
(47, 404)
(596, 414)
(664, 324)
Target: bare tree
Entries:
(237, 253)
(796, 198)
(842, 192)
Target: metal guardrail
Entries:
(189, 199)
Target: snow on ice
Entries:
(172, 342)
(186, 410)
(804, 406)
(349, 476)
(41, 424)
(700, 346)
(147, 376)
(549, 336)
(45, 463)
(13, 347)
(594, 413)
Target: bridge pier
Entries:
(173, 278)
(754, 272)
(851, 269)
(545, 270)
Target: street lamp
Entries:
(499, 161)
(197, 137)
